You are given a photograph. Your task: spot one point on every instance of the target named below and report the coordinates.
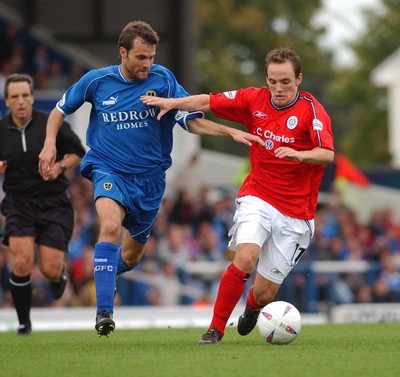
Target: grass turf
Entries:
(367, 350)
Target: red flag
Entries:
(346, 170)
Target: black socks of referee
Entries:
(21, 292)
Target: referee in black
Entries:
(38, 212)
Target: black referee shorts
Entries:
(49, 219)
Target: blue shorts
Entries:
(139, 194)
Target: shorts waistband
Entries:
(153, 173)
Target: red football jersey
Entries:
(290, 186)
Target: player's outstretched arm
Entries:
(314, 156)
(48, 154)
(200, 102)
(205, 127)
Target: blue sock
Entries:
(121, 265)
(105, 270)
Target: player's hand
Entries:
(3, 167)
(165, 104)
(245, 137)
(46, 160)
(288, 154)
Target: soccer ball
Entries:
(279, 322)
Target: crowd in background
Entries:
(21, 53)
(187, 250)
(191, 230)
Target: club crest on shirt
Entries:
(292, 122)
(151, 93)
(107, 186)
(317, 125)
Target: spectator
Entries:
(189, 179)
(174, 250)
(41, 58)
(9, 40)
(183, 210)
(390, 276)
(207, 241)
(170, 287)
(58, 80)
(82, 278)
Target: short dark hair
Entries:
(136, 29)
(281, 55)
(18, 77)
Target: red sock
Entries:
(230, 290)
(251, 301)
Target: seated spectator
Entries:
(58, 80)
(390, 276)
(170, 287)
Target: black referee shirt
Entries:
(21, 148)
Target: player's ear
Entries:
(299, 79)
(123, 52)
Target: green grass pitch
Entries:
(367, 350)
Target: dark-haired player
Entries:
(129, 153)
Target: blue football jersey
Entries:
(123, 133)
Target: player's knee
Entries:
(22, 267)
(132, 255)
(51, 271)
(110, 230)
(244, 261)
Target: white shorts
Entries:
(282, 239)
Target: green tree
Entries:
(234, 37)
(359, 108)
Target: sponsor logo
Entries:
(276, 271)
(260, 114)
(292, 122)
(269, 144)
(124, 120)
(180, 114)
(100, 259)
(230, 94)
(107, 186)
(270, 135)
(110, 101)
(126, 116)
(317, 125)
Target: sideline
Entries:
(126, 317)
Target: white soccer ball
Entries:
(279, 322)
